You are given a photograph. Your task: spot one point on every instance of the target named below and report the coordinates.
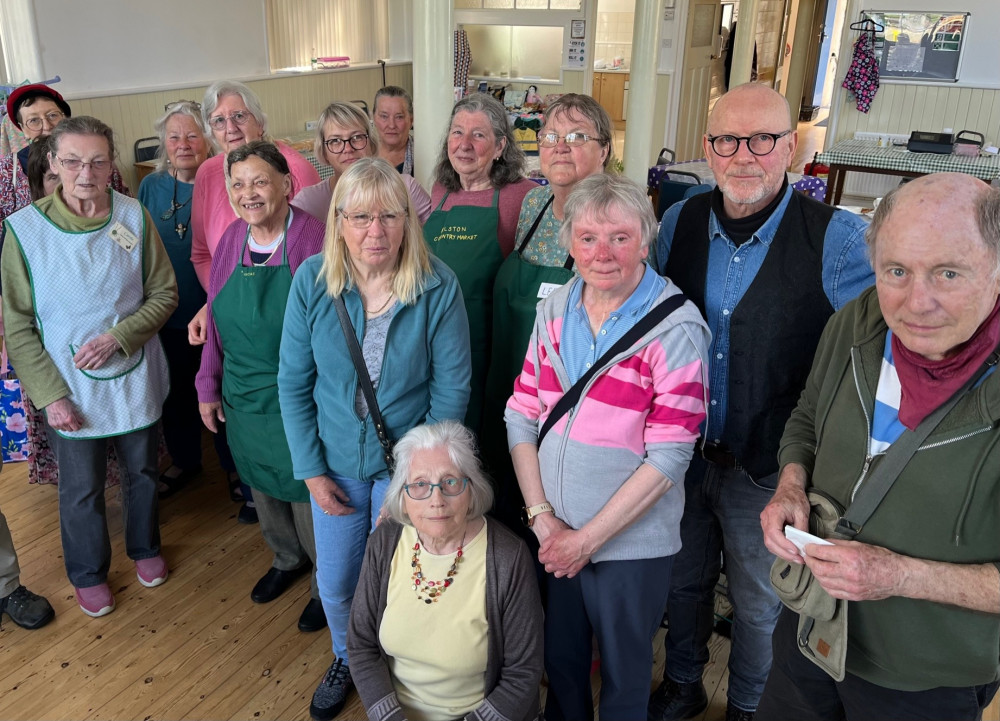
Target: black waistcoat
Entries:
(774, 329)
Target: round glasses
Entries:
(52, 118)
(726, 146)
(240, 117)
(364, 220)
(339, 145)
(573, 140)
(422, 490)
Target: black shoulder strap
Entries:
(655, 315)
(871, 493)
(366, 382)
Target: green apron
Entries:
(465, 238)
(518, 288)
(249, 312)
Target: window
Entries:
(517, 4)
(300, 30)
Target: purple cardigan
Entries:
(303, 239)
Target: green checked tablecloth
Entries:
(865, 153)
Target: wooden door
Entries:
(696, 76)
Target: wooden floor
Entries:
(193, 648)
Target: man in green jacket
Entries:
(921, 577)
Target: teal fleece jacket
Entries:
(944, 506)
(425, 372)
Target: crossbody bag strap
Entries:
(364, 379)
(870, 495)
(655, 315)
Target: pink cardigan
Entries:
(211, 212)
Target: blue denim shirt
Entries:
(846, 272)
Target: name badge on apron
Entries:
(123, 236)
(545, 289)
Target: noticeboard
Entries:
(919, 45)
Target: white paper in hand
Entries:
(801, 538)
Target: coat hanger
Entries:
(868, 25)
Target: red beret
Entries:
(37, 90)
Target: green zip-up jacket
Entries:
(945, 506)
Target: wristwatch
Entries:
(529, 512)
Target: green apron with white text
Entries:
(249, 313)
(465, 237)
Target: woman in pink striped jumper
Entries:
(602, 490)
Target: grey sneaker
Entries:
(26, 609)
(331, 694)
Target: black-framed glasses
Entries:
(53, 118)
(181, 103)
(573, 140)
(338, 145)
(422, 490)
(364, 220)
(726, 146)
(75, 164)
(240, 117)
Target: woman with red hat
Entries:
(35, 110)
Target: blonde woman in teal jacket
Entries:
(409, 318)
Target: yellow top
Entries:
(437, 651)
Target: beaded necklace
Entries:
(180, 228)
(433, 589)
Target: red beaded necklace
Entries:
(433, 589)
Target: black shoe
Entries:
(275, 582)
(674, 701)
(331, 694)
(313, 618)
(738, 714)
(170, 485)
(247, 515)
(26, 609)
(235, 490)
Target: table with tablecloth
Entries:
(867, 156)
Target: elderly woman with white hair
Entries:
(436, 563)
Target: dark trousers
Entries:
(798, 689)
(83, 464)
(621, 604)
(181, 420)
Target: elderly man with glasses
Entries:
(767, 267)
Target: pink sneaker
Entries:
(151, 571)
(96, 600)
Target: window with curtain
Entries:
(300, 30)
(21, 56)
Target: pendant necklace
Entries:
(433, 589)
(180, 228)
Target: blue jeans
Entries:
(340, 549)
(722, 514)
(620, 603)
(83, 469)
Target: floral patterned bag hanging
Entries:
(13, 424)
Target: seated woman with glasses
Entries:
(342, 136)
(375, 283)
(467, 584)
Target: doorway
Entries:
(612, 61)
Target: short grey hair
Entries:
(601, 194)
(509, 168)
(591, 110)
(986, 206)
(222, 88)
(266, 151)
(181, 107)
(83, 125)
(393, 91)
(346, 115)
(461, 446)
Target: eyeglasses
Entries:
(726, 146)
(240, 117)
(181, 103)
(364, 220)
(75, 164)
(53, 118)
(573, 140)
(422, 490)
(339, 145)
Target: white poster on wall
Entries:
(575, 53)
